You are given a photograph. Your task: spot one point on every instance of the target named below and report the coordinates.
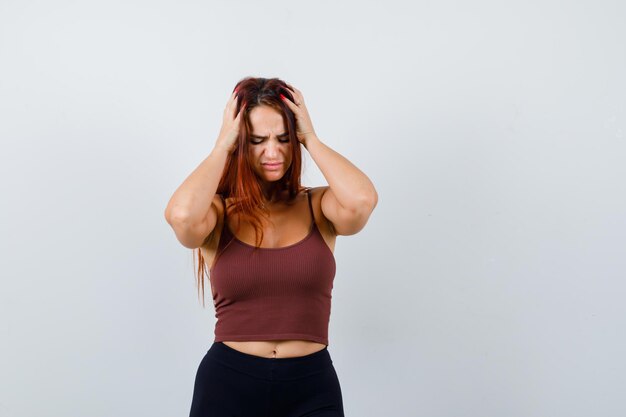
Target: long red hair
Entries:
(238, 180)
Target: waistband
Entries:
(270, 368)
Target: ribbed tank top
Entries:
(273, 293)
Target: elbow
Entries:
(374, 199)
(176, 212)
(189, 234)
(364, 204)
(168, 215)
(370, 200)
(176, 216)
(363, 211)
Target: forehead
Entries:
(265, 119)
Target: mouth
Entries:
(272, 166)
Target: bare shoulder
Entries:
(210, 243)
(341, 220)
(322, 222)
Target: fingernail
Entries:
(281, 96)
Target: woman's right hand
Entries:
(229, 132)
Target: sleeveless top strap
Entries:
(308, 192)
(225, 235)
(225, 229)
(223, 204)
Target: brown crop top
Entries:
(273, 293)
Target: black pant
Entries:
(230, 383)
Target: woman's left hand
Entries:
(304, 128)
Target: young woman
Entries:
(268, 243)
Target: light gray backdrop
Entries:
(488, 282)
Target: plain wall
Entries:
(489, 280)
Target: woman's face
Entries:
(269, 148)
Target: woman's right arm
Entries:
(192, 211)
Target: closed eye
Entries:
(256, 140)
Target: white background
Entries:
(489, 280)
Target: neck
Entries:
(270, 192)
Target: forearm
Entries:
(192, 199)
(349, 184)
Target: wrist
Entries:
(220, 151)
(309, 138)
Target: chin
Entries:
(273, 178)
(270, 177)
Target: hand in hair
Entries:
(229, 132)
(304, 126)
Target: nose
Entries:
(271, 150)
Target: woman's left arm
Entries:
(350, 197)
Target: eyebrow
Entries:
(265, 137)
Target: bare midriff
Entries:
(276, 348)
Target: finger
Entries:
(241, 108)
(233, 108)
(296, 92)
(300, 97)
(289, 103)
(234, 95)
(292, 106)
(291, 90)
(296, 101)
(229, 103)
